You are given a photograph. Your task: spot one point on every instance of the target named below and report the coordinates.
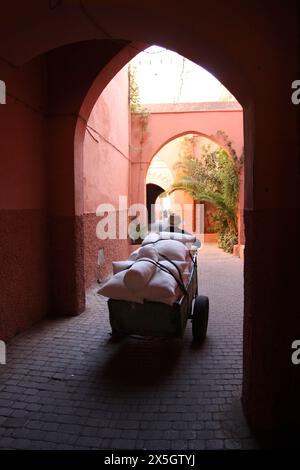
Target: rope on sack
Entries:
(174, 264)
(166, 270)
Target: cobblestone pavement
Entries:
(66, 385)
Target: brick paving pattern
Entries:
(66, 385)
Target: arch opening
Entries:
(172, 162)
(153, 191)
(145, 140)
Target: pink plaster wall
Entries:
(106, 146)
(169, 121)
(23, 150)
(23, 223)
(106, 170)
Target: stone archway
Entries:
(167, 122)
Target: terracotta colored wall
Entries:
(72, 74)
(168, 121)
(106, 171)
(23, 223)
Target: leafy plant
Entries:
(134, 95)
(135, 103)
(134, 92)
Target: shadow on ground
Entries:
(142, 362)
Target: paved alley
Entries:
(66, 385)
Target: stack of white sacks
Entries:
(139, 278)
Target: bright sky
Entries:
(164, 76)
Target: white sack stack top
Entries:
(158, 271)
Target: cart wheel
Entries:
(200, 318)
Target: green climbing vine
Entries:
(134, 95)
